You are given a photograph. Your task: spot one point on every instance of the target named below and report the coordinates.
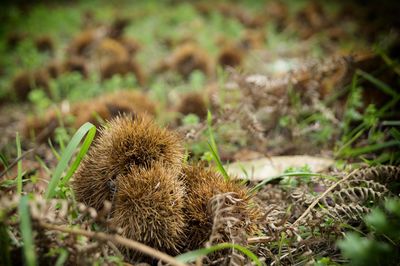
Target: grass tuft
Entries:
(87, 129)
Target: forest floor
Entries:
(287, 111)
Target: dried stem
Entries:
(116, 239)
(15, 162)
(315, 202)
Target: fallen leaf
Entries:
(260, 169)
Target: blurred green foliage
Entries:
(380, 245)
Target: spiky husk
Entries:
(193, 103)
(94, 111)
(89, 111)
(26, 81)
(252, 39)
(45, 44)
(73, 64)
(53, 69)
(76, 64)
(84, 42)
(110, 49)
(123, 67)
(202, 185)
(125, 142)
(230, 56)
(111, 105)
(188, 58)
(41, 129)
(13, 39)
(117, 28)
(135, 100)
(149, 208)
(131, 45)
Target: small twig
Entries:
(115, 249)
(315, 202)
(284, 256)
(46, 131)
(260, 239)
(199, 261)
(15, 162)
(116, 239)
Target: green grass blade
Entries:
(43, 165)
(346, 146)
(378, 83)
(210, 132)
(3, 160)
(193, 255)
(53, 150)
(19, 164)
(62, 258)
(392, 64)
(280, 245)
(88, 129)
(84, 148)
(356, 131)
(217, 160)
(26, 232)
(395, 133)
(391, 123)
(214, 149)
(267, 180)
(388, 105)
(371, 148)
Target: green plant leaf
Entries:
(19, 164)
(214, 149)
(62, 258)
(210, 131)
(364, 251)
(3, 160)
(376, 220)
(88, 129)
(26, 232)
(218, 162)
(84, 148)
(378, 83)
(371, 148)
(267, 180)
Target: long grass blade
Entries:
(346, 146)
(26, 232)
(371, 148)
(62, 258)
(395, 133)
(3, 160)
(210, 131)
(395, 123)
(19, 164)
(84, 149)
(218, 162)
(378, 83)
(86, 129)
(214, 149)
(272, 178)
(391, 63)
